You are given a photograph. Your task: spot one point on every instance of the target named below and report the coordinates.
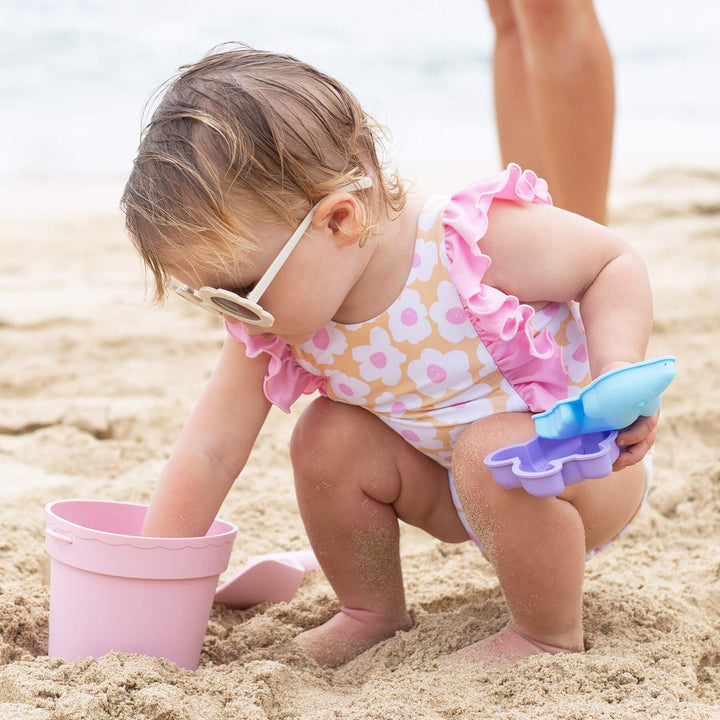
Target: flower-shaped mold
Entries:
(544, 466)
(610, 402)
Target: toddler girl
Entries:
(432, 328)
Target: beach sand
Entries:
(95, 385)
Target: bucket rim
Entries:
(229, 530)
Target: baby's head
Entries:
(241, 139)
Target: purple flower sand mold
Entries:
(544, 466)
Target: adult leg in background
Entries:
(555, 97)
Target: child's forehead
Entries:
(218, 272)
(188, 275)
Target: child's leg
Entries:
(354, 477)
(537, 545)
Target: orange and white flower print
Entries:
(449, 315)
(407, 318)
(380, 360)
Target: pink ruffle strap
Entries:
(286, 380)
(531, 363)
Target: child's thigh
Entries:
(352, 449)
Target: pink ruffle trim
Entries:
(286, 380)
(531, 363)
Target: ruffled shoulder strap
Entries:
(531, 362)
(286, 380)
(467, 211)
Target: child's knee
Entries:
(489, 434)
(319, 434)
(470, 473)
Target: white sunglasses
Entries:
(247, 309)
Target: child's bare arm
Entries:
(213, 447)
(544, 254)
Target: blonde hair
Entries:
(246, 133)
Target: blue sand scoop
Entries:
(610, 402)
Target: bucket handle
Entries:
(59, 536)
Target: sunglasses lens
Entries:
(235, 309)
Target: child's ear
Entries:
(340, 215)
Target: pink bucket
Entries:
(112, 589)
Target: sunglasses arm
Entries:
(279, 261)
(257, 292)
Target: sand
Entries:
(94, 387)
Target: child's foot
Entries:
(348, 634)
(504, 649)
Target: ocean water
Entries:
(75, 75)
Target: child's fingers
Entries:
(632, 454)
(638, 431)
(635, 441)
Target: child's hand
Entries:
(635, 440)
